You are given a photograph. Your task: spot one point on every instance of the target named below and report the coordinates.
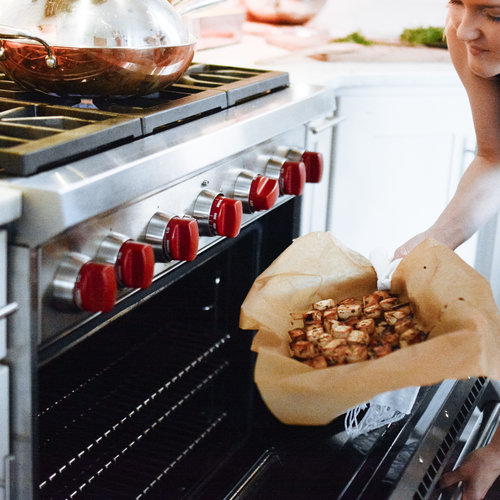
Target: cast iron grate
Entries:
(56, 136)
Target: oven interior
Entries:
(154, 403)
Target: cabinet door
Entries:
(397, 159)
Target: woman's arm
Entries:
(477, 197)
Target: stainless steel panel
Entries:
(60, 198)
(132, 220)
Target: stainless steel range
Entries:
(135, 204)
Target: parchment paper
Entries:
(451, 301)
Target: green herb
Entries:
(355, 37)
(432, 36)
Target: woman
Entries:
(473, 36)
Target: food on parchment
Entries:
(353, 330)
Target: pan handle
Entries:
(50, 58)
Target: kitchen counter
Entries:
(345, 65)
(10, 204)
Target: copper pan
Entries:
(98, 48)
(93, 71)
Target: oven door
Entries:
(157, 403)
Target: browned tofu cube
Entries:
(358, 337)
(302, 349)
(297, 334)
(346, 311)
(317, 362)
(322, 305)
(366, 325)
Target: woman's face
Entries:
(477, 24)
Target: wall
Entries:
(379, 18)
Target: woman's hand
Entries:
(407, 247)
(478, 472)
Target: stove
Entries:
(144, 223)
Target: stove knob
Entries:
(218, 215)
(290, 174)
(134, 262)
(314, 166)
(312, 160)
(173, 237)
(84, 284)
(255, 191)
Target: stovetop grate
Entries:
(61, 129)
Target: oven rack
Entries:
(114, 413)
(147, 454)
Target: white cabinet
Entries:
(398, 156)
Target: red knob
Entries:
(225, 216)
(95, 287)
(181, 238)
(135, 264)
(314, 166)
(293, 177)
(263, 193)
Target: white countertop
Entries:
(434, 68)
(10, 204)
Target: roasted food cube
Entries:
(335, 351)
(297, 334)
(312, 317)
(411, 336)
(381, 350)
(392, 316)
(390, 338)
(388, 304)
(358, 337)
(405, 308)
(314, 333)
(370, 300)
(322, 305)
(356, 353)
(341, 331)
(324, 338)
(303, 349)
(374, 311)
(346, 311)
(366, 325)
(330, 313)
(381, 294)
(329, 324)
(317, 362)
(403, 324)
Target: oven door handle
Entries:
(329, 122)
(8, 309)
